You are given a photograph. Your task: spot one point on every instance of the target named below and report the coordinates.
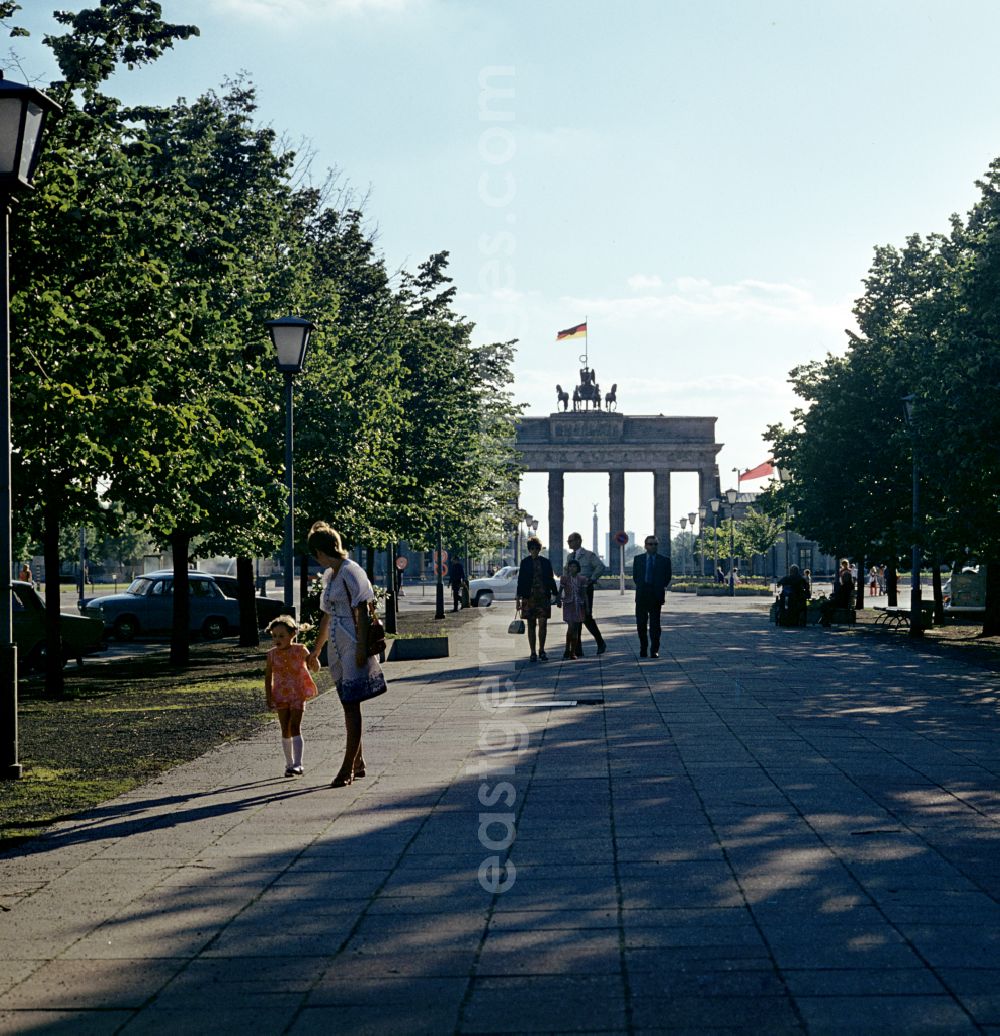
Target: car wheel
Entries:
(215, 628)
(484, 598)
(126, 627)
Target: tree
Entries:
(758, 532)
(76, 284)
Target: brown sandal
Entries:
(341, 780)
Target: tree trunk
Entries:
(938, 595)
(54, 681)
(859, 588)
(246, 592)
(991, 620)
(370, 564)
(180, 635)
(892, 584)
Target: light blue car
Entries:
(147, 606)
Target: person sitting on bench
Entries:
(843, 593)
(792, 602)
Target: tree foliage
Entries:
(157, 242)
(930, 330)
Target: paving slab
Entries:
(763, 830)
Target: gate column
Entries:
(616, 516)
(661, 511)
(556, 521)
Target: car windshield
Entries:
(140, 587)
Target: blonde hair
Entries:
(287, 621)
(325, 538)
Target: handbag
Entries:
(376, 631)
(516, 624)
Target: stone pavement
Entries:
(763, 831)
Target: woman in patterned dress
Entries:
(536, 586)
(344, 627)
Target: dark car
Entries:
(147, 606)
(80, 636)
(267, 607)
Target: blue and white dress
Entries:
(348, 589)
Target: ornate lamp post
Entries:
(702, 514)
(23, 113)
(290, 336)
(731, 496)
(715, 503)
(916, 629)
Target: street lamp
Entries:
(684, 525)
(290, 336)
(715, 503)
(731, 495)
(916, 630)
(691, 517)
(702, 514)
(23, 113)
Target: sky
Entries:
(704, 182)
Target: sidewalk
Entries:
(763, 831)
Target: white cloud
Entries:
(644, 281)
(700, 299)
(311, 10)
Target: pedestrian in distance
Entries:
(573, 597)
(591, 568)
(26, 576)
(536, 587)
(873, 582)
(456, 579)
(344, 601)
(651, 575)
(288, 685)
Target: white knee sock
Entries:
(297, 750)
(286, 747)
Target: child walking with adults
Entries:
(344, 601)
(573, 594)
(288, 685)
(591, 568)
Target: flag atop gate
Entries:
(578, 331)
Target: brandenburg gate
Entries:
(593, 440)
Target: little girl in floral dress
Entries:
(288, 686)
(573, 594)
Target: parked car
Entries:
(268, 608)
(502, 586)
(80, 636)
(147, 606)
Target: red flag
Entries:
(767, 468)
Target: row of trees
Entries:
(930, 329)
(157, 242)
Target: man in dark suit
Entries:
(651, 575)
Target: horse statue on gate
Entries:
(611, 398)
(562, 396)
(588, 393)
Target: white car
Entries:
(502, 586)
